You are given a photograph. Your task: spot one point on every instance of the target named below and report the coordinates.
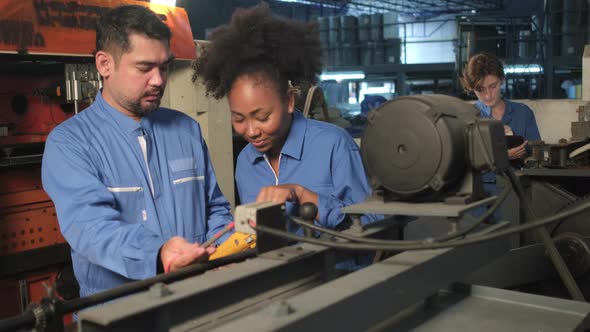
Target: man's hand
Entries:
(177, 253)
(517, 152)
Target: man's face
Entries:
(136, 83)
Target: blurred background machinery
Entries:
(47, 75)
(422, 284)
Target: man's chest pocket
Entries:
(130, 202)
(188, 190)
(188, 184)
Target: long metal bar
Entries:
(360, 300)
(28, 320)
(137, 286)
(520, 266)
(165, 306)
(212, 296)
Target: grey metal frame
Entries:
(299, 279)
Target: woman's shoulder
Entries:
(323, 134)
(325, 129)
(516, 106)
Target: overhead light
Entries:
(523, 69)
(342, 75)
(171, 3)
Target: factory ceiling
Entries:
(418, 8)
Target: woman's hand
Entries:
(517, 152)
(508, 131)
(287, 193)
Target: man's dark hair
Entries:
(257, 42)
(115, 26)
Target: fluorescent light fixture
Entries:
(523, 69)
(315, 3)
(386, 90)
(340, 76)
(376, 90)
(171, 3)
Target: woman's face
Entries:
(488, 92)
(259, 114)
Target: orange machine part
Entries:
(65, 27)
(27, 215)
(27, 221)
(41, 116)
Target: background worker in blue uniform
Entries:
(484, 75)
(257, 61)
(132, 182)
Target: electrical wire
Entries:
(27, 320)
(489, 212)
(425, 246)
(350, 237)
(503, 195)
(579, 151)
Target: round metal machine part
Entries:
(572, 238)
(574, 248)
(415, 147)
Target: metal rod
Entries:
(136, 286)
(543, 234)
(27, 320)
(218, 235)
(24, 321)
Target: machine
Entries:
(47, 75)
(424, 155)
(289, 282)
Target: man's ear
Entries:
(105, 63)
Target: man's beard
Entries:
(137, 109)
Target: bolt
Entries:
(159, 290)
(282, 308)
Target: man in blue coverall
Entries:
(132, 182)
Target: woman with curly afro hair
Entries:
(257, 61)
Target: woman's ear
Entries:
(291, 102)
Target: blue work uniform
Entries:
(517, 116)
(521, 119)
(117, 203)
(316, 155)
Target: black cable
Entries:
(27, 319)
(397, 247)
(501, 198)
(461, 233)
(354, 238)
(136, 286)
